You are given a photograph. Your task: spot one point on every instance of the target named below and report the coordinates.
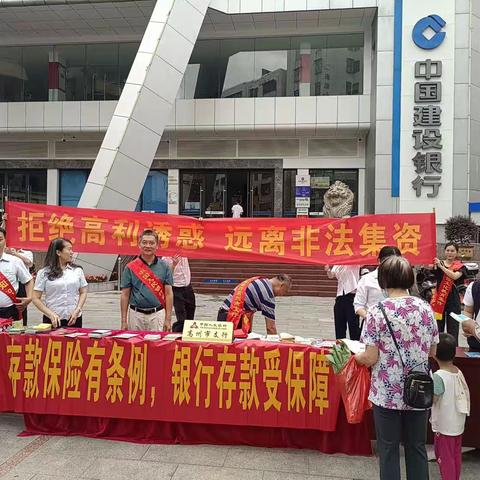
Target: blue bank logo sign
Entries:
(433, 23)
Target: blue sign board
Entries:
(302, 192)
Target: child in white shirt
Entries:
(450, 408)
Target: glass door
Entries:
(262, 188)
(214, 195)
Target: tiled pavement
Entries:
(52, 458)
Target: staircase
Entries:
(220, 277)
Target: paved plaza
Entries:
(52, 458)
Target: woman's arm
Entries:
(448, 272)
(82, 297)
(369, 357)
(37, 301)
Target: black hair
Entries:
(52, 261)
(149, 233)
(395, 272)
(388, 251)
(451, 244)
(446, 348)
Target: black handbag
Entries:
(418, 387)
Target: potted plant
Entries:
(462, 231)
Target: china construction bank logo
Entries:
(422, 32)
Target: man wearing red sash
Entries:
(253, 295)
(147, 289)
(12, 273)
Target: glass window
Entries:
(320, 181)
(12, 74)
(73, 58)
(102, 72)
(24, 185)
(262, 192)
(72, 183)
(238, 60)
(35, 63)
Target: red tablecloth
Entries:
(249, 392)
(347, 439)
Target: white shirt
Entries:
(368, 291)
(61, 294)
(181, 275)
(16, 272)
(237, 211)
(468, 298)
(26, 253)
(347, 277)
(468, 302)
(450, 410)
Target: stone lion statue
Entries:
(338, 201)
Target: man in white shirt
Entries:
(237, 210)
(13, 272)
(368, 290)
(183, 294)
(347, 277)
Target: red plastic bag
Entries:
(355, 387)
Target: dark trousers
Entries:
(22, 293)
(64, 322)
(393, 426)
(344, 314)
(452, 325)
(10, 312)
(222, 315)
(184, 305)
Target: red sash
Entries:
(148, 278)
(7, 288)
(237, 311)
(441, 293)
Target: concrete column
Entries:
(143, 111)
(53, 186)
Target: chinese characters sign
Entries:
(427, 113)
(355, 240)
(248, 383)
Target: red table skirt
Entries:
(348, 439)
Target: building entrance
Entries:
(212, 194)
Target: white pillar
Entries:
(53, 186)
(143, 111)
(174, 191)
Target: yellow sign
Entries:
(203, 331)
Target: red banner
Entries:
(247, 383)
(355, 240)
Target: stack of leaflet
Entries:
(100, 333)
(40, 328)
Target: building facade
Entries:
(188, 106)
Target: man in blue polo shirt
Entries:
(147, 289)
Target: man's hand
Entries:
(468, 328)
(167, 325)
(10, 251)
(73, 317)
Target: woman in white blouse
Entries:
(64, 286)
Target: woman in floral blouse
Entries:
(416, 332)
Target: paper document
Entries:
(354, 345)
